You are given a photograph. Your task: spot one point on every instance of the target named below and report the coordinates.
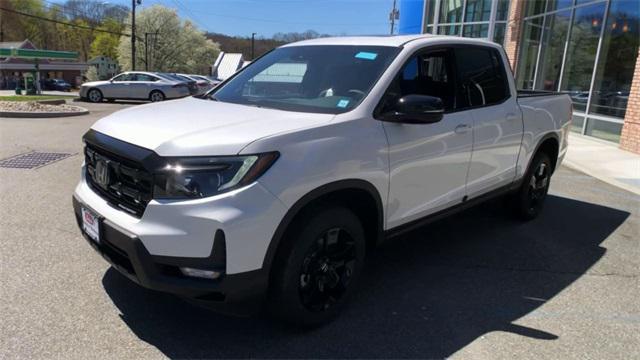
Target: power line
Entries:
(64, 23)
(187, 10)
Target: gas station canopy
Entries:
(38, 54)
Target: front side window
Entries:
(319, 78)
(482, 76)
(124, 77)
(428, 74)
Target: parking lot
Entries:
(477, 285)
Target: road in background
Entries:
(477, 285)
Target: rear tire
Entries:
(95, 96)
(529, 200)
(317, 266)
(156, 96)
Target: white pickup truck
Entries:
(274, 187)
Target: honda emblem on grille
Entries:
(101, 174)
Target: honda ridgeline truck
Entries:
(273, 188)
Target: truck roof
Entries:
(383, 40)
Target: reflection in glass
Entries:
(502, 10)
(476, 31)
(534, 7)
(430, 11)
(450, 11)
(604, 130)
(449, 30)
(532, 30)
(581, 53)
(498, 33)
(617, 60)
(552, 50)
(576, 122)
(558, 4)
(478, 10)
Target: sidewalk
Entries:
(604, 161)
(44, 92)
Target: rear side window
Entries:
(482, 77)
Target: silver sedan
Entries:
(136, 85)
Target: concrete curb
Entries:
(607, 179)
(24, 114)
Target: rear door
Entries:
(497, 119)
(142, 86)
(428, 162)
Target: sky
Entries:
(266, 17)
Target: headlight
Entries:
(198, 177)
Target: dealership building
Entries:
(585, 48)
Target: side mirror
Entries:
(415, 109)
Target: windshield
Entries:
(320, 78)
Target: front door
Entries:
(428, 162)
(119, 87)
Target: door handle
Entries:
(512, 117)
(462, 129)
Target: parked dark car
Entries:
(191, 84)
(56, 84)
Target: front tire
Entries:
(318, 266)
(529, 199)
(94, 95)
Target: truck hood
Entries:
(198, 127)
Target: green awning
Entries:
(38, 54)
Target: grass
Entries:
(35, 97)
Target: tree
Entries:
(105, 43)
(173, 46)
(92, 74)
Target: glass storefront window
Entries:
(451, 11)
(502, 10)
(581, 53)
(577, 120)
(552, 50)
(558, 4)
(449, 30)
(431, 6)
(530, 43)
(617, 60)
(498, 32)
(478, 10)
(534, 7)
(475, 31)
(605, 130)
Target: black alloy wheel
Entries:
(327, 269)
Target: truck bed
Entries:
(534, 93)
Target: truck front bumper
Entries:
(237, 294)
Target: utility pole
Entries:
(393, 16)
(253, 45)
(133, 32)
(146, 48)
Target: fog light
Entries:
(200, 273)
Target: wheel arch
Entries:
(366, 204)
(549, 144)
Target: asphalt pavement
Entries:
(478, 285)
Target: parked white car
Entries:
(274, 187)
(135, 85)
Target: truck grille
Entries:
(124, 183)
